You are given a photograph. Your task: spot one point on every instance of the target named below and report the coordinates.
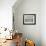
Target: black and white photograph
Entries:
(29, 19)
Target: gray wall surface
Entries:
(32, 32)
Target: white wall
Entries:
(6, 13)
(43, 22)
(29, 31)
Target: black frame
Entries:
(30, 23)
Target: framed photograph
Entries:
(29, 19)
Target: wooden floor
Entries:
(9, 43)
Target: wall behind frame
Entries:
(34, 31)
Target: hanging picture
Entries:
(29, 19)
